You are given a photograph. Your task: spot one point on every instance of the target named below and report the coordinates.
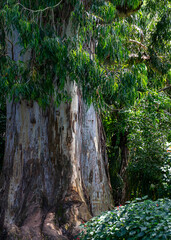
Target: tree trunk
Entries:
(55, 172)
(124, 164)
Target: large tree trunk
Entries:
(55, 172)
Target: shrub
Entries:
(136, 220)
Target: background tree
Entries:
(142, 99)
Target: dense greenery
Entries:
(136, 220)
(111, 66)
(138, 121)
(143, 130)
(149, 127)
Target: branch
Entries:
(135, 57)
(12, 48)
(138, 43)
(163, 89)
(40, 10)
(139, 29)
(138, 59)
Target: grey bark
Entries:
(55, 172)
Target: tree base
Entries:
(55, 173)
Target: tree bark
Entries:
(124, 164)
(55, 172)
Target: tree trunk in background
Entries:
(55, 172)
(124, 164)
(118, 167)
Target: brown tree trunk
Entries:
(124, 165)
(55, 172)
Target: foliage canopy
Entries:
(110, 72)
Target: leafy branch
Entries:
(39, 10)
(165, 88)
(138, 43)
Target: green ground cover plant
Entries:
(136, 220)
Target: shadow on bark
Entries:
(45, 190)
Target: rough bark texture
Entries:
(55, 172)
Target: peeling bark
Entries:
(55, 171)
(54, 174)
